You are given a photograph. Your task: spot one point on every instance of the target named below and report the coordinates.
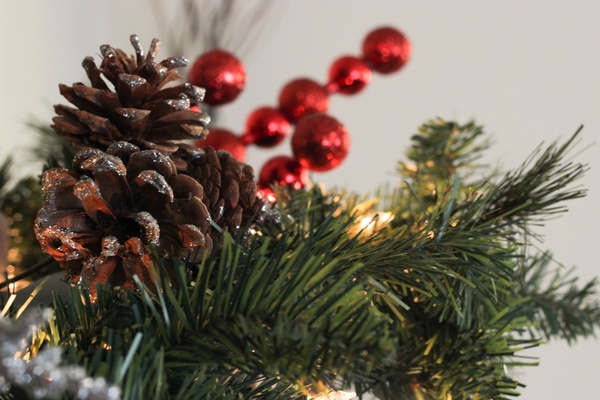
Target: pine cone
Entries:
(102, 220)
(140, 110)
(229, 190)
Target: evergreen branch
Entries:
(538, 186)
(51, 149)
(5, 172)
(441, 148)
(245, 314)
(558, 306)
(431, 306)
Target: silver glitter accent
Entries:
(64, 236)
(104, 162)
(150, 227)
(179, 105)
(135, 42)
(157, 181)
(83, 155)
(133, 81)
(154, 46)
(175, 62)
(118, 147)
(110, 246)
(52, 180)
(190, 243)
(42, 376)
(85, 188)
(198, 93)
(107, 51)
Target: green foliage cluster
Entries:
(435, 304)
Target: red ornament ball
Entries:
(222, 139)
(284, 171)
(221, 74)
(320, 142)
(266, 127)
(301, 97)
(386, 50)
(348, 75)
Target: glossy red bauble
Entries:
(222, 139)
(266, 127)
(221, 74)
(320, 142)
(283, 171)
(386, 50)
(301, 97)
(348, 75)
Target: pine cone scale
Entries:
(88, 193)
(133, 90)
(93, 73)
(133, 120)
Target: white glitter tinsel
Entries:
(42, 376)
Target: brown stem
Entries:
(30, 271)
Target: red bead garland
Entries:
(386, 50)
(301, 97)
(221, 74)
(266, 127)
(348, 75)
(319, 142)
(283, 171)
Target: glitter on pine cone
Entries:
(139, 108)
(102, 220)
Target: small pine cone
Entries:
(102, 220)
(138, 109)
(229, 190)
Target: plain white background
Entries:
(527, 70)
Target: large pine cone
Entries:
(138, 109)
(229, 191)
(102, 221)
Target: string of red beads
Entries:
(319, 142)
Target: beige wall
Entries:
(528, 70)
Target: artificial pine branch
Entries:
(539, 187)
(558, 306)
(245, 313)
(437, 303)
(51, 149)
(448, 223)
(5, 172)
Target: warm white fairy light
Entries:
(334, 395)
(4, 245)
(372, 223)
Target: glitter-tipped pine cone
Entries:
(129, 100)
(103, 220)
